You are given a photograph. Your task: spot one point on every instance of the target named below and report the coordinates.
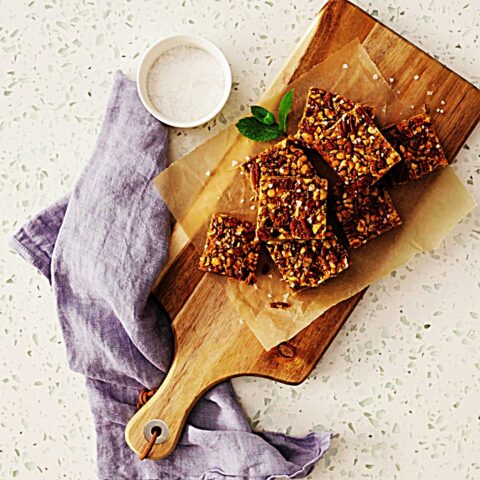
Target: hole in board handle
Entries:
(158, 426)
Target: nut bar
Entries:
(309, 263)
(283, 158)
(357, 151)
(366, 215)
(292, 208)
(418, 145)
(231, 249)
(322, 110)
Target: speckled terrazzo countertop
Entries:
(400, 386)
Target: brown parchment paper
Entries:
(208, 180)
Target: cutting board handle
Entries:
(168, 409)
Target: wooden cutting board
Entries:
(211, 343)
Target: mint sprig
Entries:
(254, 129)
(263, 115)
(284, 109)
(262, 127)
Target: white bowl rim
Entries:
(183, 40)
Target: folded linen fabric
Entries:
(101, 248)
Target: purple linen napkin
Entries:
(101, 248)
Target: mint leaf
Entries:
(262, 126)
(255, 130)
(263, 115)
(284, 109)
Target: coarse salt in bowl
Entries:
(184, 80)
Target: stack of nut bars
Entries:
(292, 198)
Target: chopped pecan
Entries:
(291, 208)
(285, 158)
(309, 263)
(321, 112)
(279, 305)
(366, 215)
(418, 145)
(357, 151)
(231, 249)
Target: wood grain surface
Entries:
(211, 342)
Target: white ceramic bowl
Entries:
(167, 43)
